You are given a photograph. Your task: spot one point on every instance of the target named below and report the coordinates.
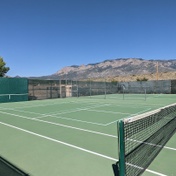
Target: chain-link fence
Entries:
(156, 87)
(48, 89)
(43, 89)
(173, 86)
(22, 89)
(92, 88)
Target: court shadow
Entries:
(115, 169)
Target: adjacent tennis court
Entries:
(76, 136)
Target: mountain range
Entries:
(121, 67)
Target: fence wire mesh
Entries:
(48, 89)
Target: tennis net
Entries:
(13, 97)
(142, 137)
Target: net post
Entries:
(77, 86)
(60, 87)
(145, 94)
(90, 89)
(121, 148)
(123, 92)
(105, 89)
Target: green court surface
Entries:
(76, 136)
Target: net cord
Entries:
(141, 116)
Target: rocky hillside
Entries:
(118, 69)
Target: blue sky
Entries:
(39, 37)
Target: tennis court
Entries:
(76, 136)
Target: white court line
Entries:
(170, 148)
(40, 105)
(138, 167)
(79, 109)
(89, 108)
(72, 146)
(56, 102)
(58, 124)
(61, 112)
(140, 112)
(80, 129)
(110, 112)
(121, 103)
(67, 126)
(155, 145)
(23, 111)
(156, 173)
(61, 142)
(72, 119)
(64, 112)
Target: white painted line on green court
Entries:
(155, 145)
(72, 146)
(66, 112)
(170, 148)
(115, 121)
(61, 142)
(67, 126)
(80, 109)
(77, 110)
(70, 110)
(58, 124)
(88, 108)
(140, 112)
(38, 105)
(156, 173)
(80, 129)
(141, 168)
(72, 119)
(110, 112)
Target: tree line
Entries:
(3, 68)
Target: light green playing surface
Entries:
(75, 136)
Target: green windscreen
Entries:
(141, 138)
(13, 89)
